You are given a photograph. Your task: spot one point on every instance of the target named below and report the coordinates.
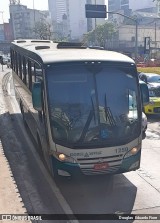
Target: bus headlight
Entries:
(64, 158)
(133, 151)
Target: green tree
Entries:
(42, 30)
(100, 34)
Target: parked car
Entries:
(4, 59)
(153, 83)
(150, 78)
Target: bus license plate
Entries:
(101, 166)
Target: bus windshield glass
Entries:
(91, 104)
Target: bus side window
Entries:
(32, 72)
(20, 65)
(24, 70)
(41, 114)
(16, 59)
(30, 75)
(43, 118)
(38, 73)
(27, 75)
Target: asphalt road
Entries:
(134, 192)
(154, 123)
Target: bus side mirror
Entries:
(37, 96)
(1, 60)
(144, 93)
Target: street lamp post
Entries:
(34, 12)
(95, 26)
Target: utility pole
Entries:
(3, 25)
(34, 12)
(136, 42)
(95, 18)
(2, 16)
(155, 39)
(95, 27)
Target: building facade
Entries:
(23, 20)
(69, 17)
(60, 18)
(2, 38)
(8, 33)
(130, 5)
(126, 36)
(57, 8)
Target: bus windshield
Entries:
(91, 104)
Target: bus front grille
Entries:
(91, 171)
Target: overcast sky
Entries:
(38, 4)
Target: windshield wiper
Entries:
(93, 110)
(86, 127)
(87, 124)
(108, 113)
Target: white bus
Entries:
(76, 103)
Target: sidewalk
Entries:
(10, 200)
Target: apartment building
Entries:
(23, 20)
(78, 21)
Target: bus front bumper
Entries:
(73, 169)
(131, 163)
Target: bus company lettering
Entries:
(87, 154)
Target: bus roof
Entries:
(48, 52)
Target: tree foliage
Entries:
(100, 34)
(42, 30)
